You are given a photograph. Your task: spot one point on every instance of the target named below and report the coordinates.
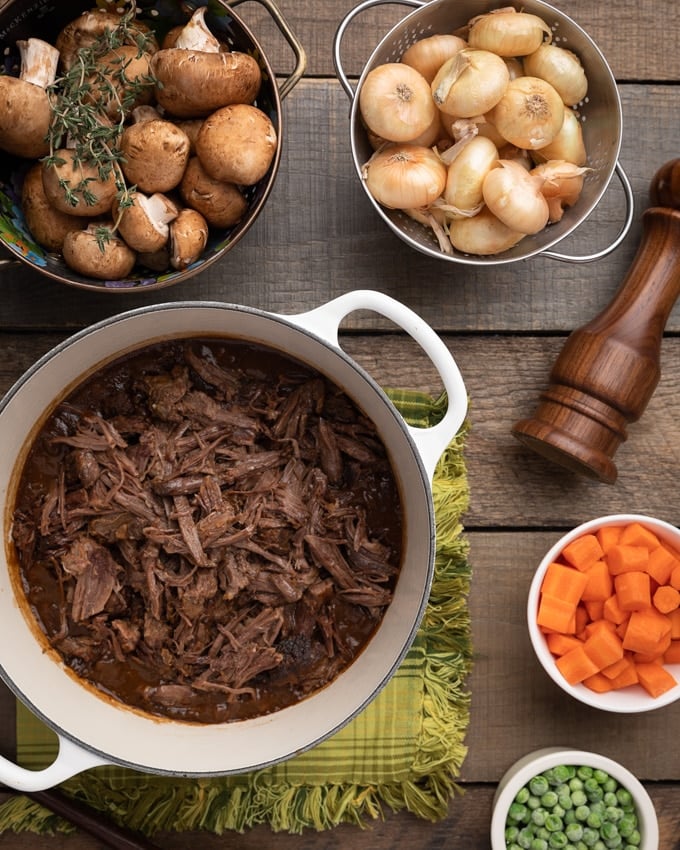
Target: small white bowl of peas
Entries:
(564, 799)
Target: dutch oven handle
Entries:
(295, 45)
(325, 321)
(71, 759)
(346, 21)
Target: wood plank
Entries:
(467, 826)
(297, 256)
(628, 37)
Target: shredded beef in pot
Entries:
(208, 530)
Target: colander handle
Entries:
(325, 321)
(347, 20)
(298, 50)
(71, 759)
(630, 209)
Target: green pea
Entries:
(539, 844)
(511, 833)
(549, 799)
(522, 795)
(584, 772)
(539, 785)
(627, 825)
(582, 813)
(574, 831)
(600, 775)
(553, 823)
(578, 798)
(558, 840)
(517, 812)
(538, 816)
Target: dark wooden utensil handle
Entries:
(608, 369)
(91, 821)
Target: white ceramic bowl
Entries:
(626, 700)
(536, 762)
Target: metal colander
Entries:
(599, 113)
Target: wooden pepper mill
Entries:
(608, 369)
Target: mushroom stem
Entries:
(39, 61)
(196, 35)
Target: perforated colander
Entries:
(600, 114)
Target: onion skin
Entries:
(529, 114)
(396, 103)
(466, 174)
(470, 84)
(508, 32)
(405, 176)
(514, 196)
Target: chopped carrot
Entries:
(652, 657)
(580, 620)
(626, 559)
(612, 611)
(626, 677)
(598, 683)
(583, 551)
(576, 665)
(603, 647)
(558, 643)
(608, 536)
(599, 583)
(633, 590)
(595, 609)
(596, 624)
(672, 654)
(655, 679)
(636, 534)
(674, 617)
(618, 667)
(666, 599)
(660, 564)
(675, 578)
(564, 583)
(556, 614)
(646, 631)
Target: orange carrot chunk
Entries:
(626, 559)
(636, 534)
(618, 667)
(608, 536)
(564, 583)
(599, 583)
(646, 631)
(655, 679)
(674, 618)
(558, 643)
(598, 683)
(603, 647)
(661, 564)
(583, 551)
(672, 654)
(628, 676)
(666, 599)
(633, 590)
(576, 665)
(612, 611)
(556, 614)
(674, 580)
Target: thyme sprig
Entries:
(83, 99)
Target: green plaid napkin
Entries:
(404, 751)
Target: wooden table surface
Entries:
(318, 237)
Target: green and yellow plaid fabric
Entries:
(404, 751)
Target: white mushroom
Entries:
(107, 258)
(143, 220)
(221, 204)
(188, 238)
(155, 153)
(47, 225)
(25, 112)
(194, 81)
(237, 144)
(77, 187)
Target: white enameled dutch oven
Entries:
(94, 730)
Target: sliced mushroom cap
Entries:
(25, 112)
(155, 154)
(188, 238)
(221, 204)
(84, 30)
(48, 226)
(237, 144)
(193, 84)
(143, 222)
(76, 187)
(110, 260)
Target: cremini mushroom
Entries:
(188, 238)
(155, 152)
(197, 76)
(25, 111)
(123, 81)
(88, 27)
(221, 204)
(97, 252)
(77, 187)
(48, 225)
(237, 144)
(143, 220)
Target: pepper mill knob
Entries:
(608, 369)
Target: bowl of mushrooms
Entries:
(485, 133)
(115, 129)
